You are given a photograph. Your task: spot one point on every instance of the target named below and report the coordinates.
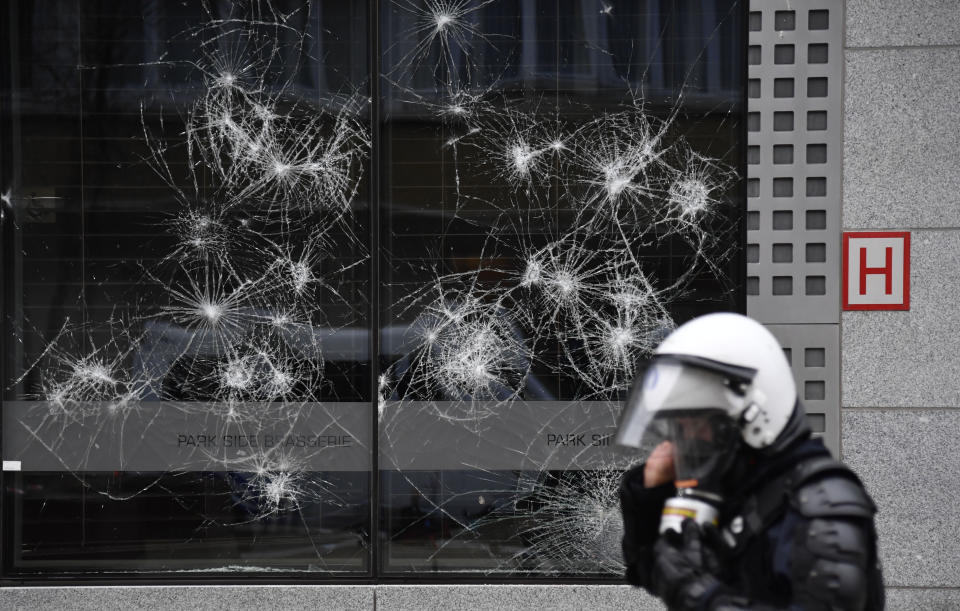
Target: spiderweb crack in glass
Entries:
(266, 202)
(581, 194)
(259, 241)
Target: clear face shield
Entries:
(690, 403)
(703, 443)
(691, 406)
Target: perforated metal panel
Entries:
(794, 180)
(814, 355)
(794, 161)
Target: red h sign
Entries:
(876, 270)
(886, 270)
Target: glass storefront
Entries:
(209, 207)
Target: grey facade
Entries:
(893, 375)
(899, 369)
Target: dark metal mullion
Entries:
(373, 48)
(6, 88)
(740, 289)
(9, 186)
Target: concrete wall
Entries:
(900, 415)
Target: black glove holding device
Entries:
(686, 567)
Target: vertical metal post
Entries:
(374, 320)
(9, 183)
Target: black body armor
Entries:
(799, 536)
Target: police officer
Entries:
(737, 507)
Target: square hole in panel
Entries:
(817, 422)
(753, 88)
(783, 121)
(783, 54)
(783, 153)
(783, 187)
(753, 187)
(753, 220)
(816, 153)
(783, 285)
(784, 20)
(816, 252)
(753, 55)
(756, 21)
(783, 220)
(816, 53)
(814, 357)
(816, 186)
(783, 88)
(817, 87)
(816, 219)
(814, 390)
(787, 352)
(818, 20)
(783, 253)
(753, 121)
(753, 285)
(753, 253)
(816, 120)
(753, 154)
(816, 285)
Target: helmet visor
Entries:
(671, 386)
(703, 441)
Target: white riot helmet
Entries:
(720, 364)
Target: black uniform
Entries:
(796, 532)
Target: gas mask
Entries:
(688, 406)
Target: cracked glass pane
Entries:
(187, 284)
(187, 247)
(560, 190)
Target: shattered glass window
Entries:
(560, 191)
(207, 207)
(186, 264)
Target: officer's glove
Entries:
(641, 509)
(685, 571)
(715, 551)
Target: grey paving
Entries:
(367, 597)
(909, 462)
(909, 359)
(910, 599)
(478, 598)
(188, 597)
(901, 141)
(392, 597)
(876, 23)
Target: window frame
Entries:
(9, 133)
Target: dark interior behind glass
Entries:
(198, 198)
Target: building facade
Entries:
(195, 409)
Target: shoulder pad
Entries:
(835, 495)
